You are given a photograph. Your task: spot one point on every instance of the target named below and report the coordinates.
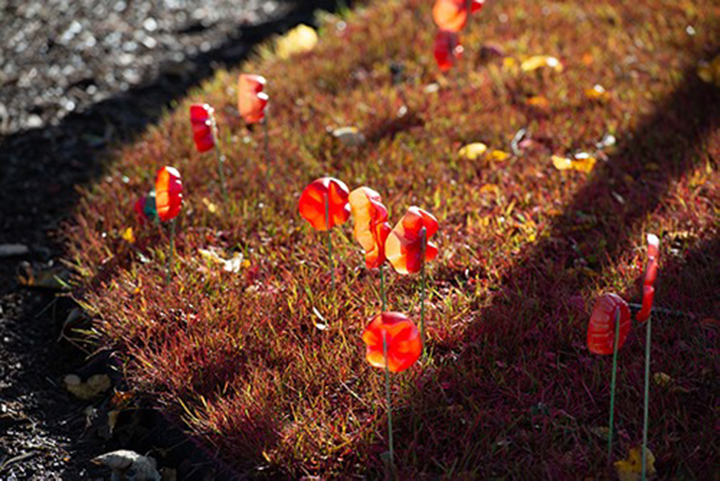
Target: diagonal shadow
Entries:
(531, 318)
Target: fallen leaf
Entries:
(298, 40)
(541, 61)
(709, 72)
(498, 156)
(662, 379)
(128, 235)
(211, 207)
(597, 92)
(233, 264)
(94, 386)
(583, 162)
(630, 469)
(54, 278)
(349, 136)
(538, 101)
(490, 188)
(473, 151)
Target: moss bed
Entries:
(267, 365)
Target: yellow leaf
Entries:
(509, 64)
(211, 207)
(630, 469)
(541, 61)
(128, 235)
(473, 151)
(498, 156)
(662, 379)
(598, 92)
(298, 40)
(538, 101)
(490, 188)
(582, 163)
(709, 72)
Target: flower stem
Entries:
(169, 263)
(646, 405)
(221, 172)
(423, 240)
(268, 163)
(382, 288)
(612, 384)
(389, 404)
(329, 241)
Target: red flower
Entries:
(404, 345)
(651, 269)
(314, 197)
(452, 15)
(168, 193)
(371, 225)
(447, 49)
(203, 125)
(601, 330)
(404, 247)
(251, 98)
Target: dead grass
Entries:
(510, 389)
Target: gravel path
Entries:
(76, 77)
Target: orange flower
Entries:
(601, 330)
(447, 49)
(168, 193)
(313, 203)
(408, 241)
(651, 269)
(371, 225)
(251, 98)
(401, 336)
(452, 15)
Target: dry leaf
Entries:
(709, 72)
(232, 264)
(541, 61)
(349, 136)
(598, 92)
(211, 207)
(54, 278)
(498, 156)
(129, 235)
(298, 40)
(94, 386)
(662, 379)
(582, 163)
(538, 101)
(630, 469)
(490, 188)
(473, 151)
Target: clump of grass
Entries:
(509, 387)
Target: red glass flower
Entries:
(168, 193)
(651, 269)
(404, 247)
(404, 345)
(452, 15)
(371, 224)
(313, 199)
(601, 330)
(447, 49)
(203, 125)
(251, 98)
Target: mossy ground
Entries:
(509, 388)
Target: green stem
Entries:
(382, 287)
(221, 172)
(329, 241)
(612, 384)
(646, 406)
(267, 145)
(423, 240)
(169, 263)
(389, 404)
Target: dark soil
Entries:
(77, 79)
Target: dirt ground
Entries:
(77, 78)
